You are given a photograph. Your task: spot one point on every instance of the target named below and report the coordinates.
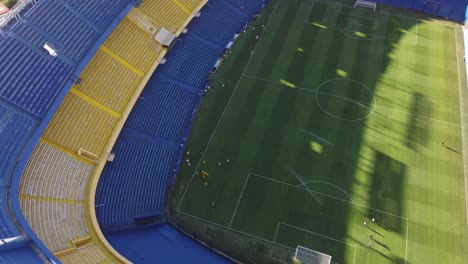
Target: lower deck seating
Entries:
(134, 184)
(218, 21)
(180, 62)
(248, 6)
(164, 108)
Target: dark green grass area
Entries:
(322, 118)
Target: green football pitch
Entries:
(322, 118)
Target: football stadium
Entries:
(234, 131)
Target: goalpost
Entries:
(308, 256)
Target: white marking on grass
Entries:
(463, 128)
(227, 106)
(325, 182)
(239, 200)
(310, 90)
(317, 136)
(310, 12)
(354, 101)
(324, 236)
(276, 232)
(416, 33)
(330, 196)
(351, 202)
(355, 255)
(306, 187)
(406, 247)
(235, 230)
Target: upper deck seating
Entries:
(61, 26)
(37, 77)
(31, 81)
(97, 13)
(21, 255)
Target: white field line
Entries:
(302, 229)
(353, 101)
(310, 12)
(330, 196)
(325, 182)
(235, 230)
(463, 128)
(316, 136)
(317, 234)
(276, 232)
(351, 202)
(354, 203)
(373, 37)
(324, 236)
(416, 33)
(355, 254)
(406, 246)
(239, 200)
(306, 187)
(227, 106)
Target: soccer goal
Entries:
(308, 256)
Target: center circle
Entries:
(345, 99)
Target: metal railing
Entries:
(15, 12)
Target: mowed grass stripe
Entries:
(393, 160)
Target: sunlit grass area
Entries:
(338, 130)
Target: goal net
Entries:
(308, 256)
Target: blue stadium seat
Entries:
(248, 6)
(15, 131)
(20, 255)
(68, 32)
(37, 77)
(191, 59)
(219, 22)
(134, 184)
(99, 13)
(164, 108)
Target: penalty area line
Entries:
(239, 200)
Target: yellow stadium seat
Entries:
(108, 82)
(81, 124)
(165, 13)
(55, 174)
(134, 45)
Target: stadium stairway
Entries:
(32, 85)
